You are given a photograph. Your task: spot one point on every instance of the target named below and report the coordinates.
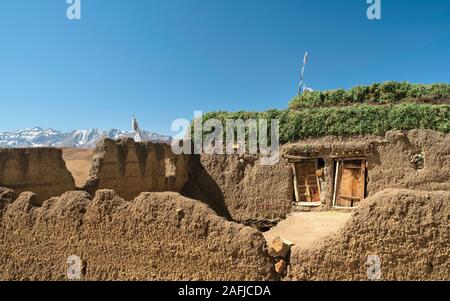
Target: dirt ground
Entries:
(78, 162)
(304, 229)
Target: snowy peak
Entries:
(39, 137)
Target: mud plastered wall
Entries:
(41, 170)
(157, 236)
(240, 187)
(130, 168)
(390, 164)
(407, 229)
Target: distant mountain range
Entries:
(39, 137)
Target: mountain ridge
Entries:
(87, 138)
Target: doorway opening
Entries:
(307, 183)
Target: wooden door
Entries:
(351, 180)
(306, 181)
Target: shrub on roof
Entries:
(360, 119)
(378, 93)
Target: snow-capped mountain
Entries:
(39, 137)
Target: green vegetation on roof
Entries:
(378, 93)
(359, 119)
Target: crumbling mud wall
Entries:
(407, 229)
(157, 236)
(241, 188)
(390, 165)
(41, 170)
(130, 168)
(238, 187)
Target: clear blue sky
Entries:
(161, 60)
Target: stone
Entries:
(279, 248)
(280, 266)
(180, 214)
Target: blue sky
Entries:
(161, 60)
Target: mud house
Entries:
(342, 172)
(330, 175)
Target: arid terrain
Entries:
(78, 162)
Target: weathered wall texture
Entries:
(41, 170)
(130, 168)
(240, 187)
(390, 164)
(408, 230)
(157, 236)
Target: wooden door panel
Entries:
(351, 183)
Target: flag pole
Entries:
(305, 60)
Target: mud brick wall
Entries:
(41, 170)
(130, 168)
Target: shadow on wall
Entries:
(150, 166)
(240, 188)
(203, 187)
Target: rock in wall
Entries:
(157, 236)
(41, 170)
(407, 229)
(241, 188)
(130, 168)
